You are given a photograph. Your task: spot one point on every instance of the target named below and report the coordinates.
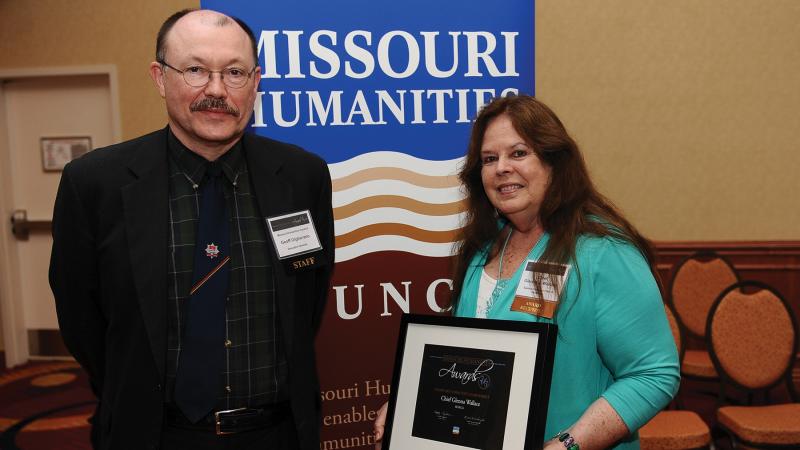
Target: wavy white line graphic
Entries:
(397, 215)
(394, 187)
(385, 158)
(393, 243)
(391, 201)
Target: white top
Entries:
(485, 288)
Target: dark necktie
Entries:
(199, 375)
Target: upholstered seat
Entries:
(771, 424)
(697, 363)
(674, 430)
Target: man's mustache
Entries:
(214, 104)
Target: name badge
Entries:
(539, 288)
(294, 234)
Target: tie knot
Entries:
(213, 169)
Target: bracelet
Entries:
(568, 441)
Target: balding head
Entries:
(208, 115)
(205, 16)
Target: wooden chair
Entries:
(696, 283)
(752, 337)
(675, 429)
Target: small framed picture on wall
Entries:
(58, 151)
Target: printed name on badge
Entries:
(294, 234)
(539, 288)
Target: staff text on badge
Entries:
(294, 234)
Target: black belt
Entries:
(231, 421)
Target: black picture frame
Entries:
(531, 346)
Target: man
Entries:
(190, 265)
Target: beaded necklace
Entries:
(500, 283)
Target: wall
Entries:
(44, 33)
(686, 110)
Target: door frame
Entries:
(15, 335)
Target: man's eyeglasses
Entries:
(199, 76)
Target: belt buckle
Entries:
(217, 420)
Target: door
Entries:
(48, 120)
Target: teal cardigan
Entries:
(613, 337)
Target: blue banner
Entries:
(341, 78)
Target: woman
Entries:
(530, 198)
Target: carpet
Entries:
(45, 406)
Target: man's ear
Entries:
(256, 78)
(157, 74)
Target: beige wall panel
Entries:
(686, 110)
(45, 33)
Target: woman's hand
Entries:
(379, 425)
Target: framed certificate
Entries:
(469, 383)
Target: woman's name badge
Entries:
(293, 234)
(529, 298)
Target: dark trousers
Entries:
(282, 436)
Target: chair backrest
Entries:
(676, 330)
(752, 336)
(696, 283)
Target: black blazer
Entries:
(108, 272)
